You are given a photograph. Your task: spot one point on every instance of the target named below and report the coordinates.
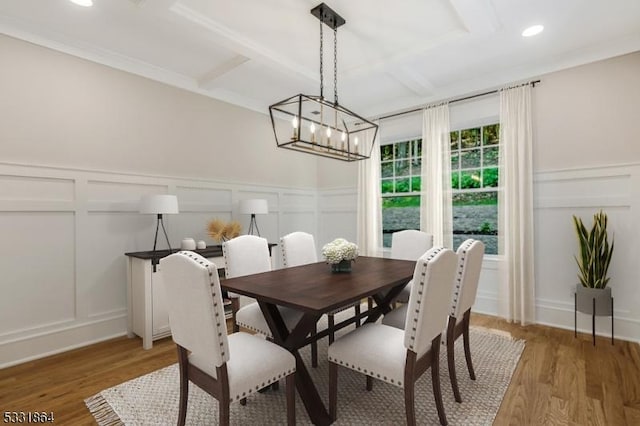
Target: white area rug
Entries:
(152, 399)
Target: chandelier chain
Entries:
(321, 64)
(335, 65)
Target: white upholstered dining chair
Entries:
(399, 357)
(409, 244)
(465, 287)
(246, 255)
(299, 248)
(229, 368)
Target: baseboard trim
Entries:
(560, 315)
(42, 345)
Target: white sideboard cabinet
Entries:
(148, 316)
(147, 313)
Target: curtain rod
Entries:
(491, 92)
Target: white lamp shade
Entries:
(256, 206)
(159, 204)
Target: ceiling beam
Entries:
(478, 16)
(234, 41)
(413, 81)
(208, 80)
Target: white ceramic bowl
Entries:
(188, 244)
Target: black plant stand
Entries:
(593, 318)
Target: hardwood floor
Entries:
(559, 380)
(562, 380)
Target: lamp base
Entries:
(253, 226)
(159, 222)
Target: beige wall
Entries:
(59, 110)
(337, 174)
(588, 115)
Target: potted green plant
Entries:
(593, 265)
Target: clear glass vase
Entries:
(342, 266)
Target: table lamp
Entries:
(159, 205)
(253, 207)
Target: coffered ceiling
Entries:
(392, 55)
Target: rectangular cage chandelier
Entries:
(314, 125)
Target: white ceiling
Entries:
(392, 55)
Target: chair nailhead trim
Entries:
(420, 289)
(284, 252)
(267, 383)
(210, 269)
(369, 372)
(464, 248)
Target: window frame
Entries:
(480, 148)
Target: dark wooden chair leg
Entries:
(224, 412)
(435, 380)
(290, 385)
(184, 387)
(409, 404)
(333, 391)
(331, 324)
(224, 399)
(465, 338)
(235, 306)
(314, 348)
(369, 383)
(357, 309)
(451, 362)
(409, 388)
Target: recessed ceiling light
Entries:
(532, 30)
(85, 3)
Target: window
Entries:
(400, 169)
(474, 181)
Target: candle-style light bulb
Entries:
(294, 124)
(355, 144)
(312, 129)
(328, 132)
(343, 138)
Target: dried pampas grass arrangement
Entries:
(221, 231)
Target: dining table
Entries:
(315, 290)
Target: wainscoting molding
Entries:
(582, 192)
(558, 195)
(65, 232)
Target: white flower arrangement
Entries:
(339, 250)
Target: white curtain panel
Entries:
(369, 201)
(516, 296)
(436, 217)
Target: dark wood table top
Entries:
(315, 289)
